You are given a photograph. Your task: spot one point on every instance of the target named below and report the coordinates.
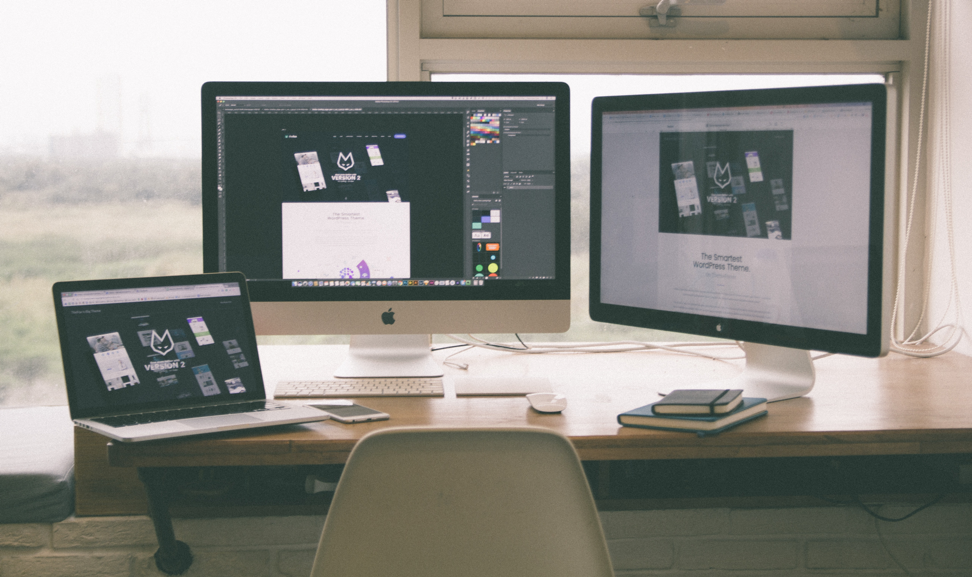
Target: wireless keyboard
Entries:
(369, 387)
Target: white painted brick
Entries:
(214, 563)
(936, 553)
(737, 554)
(950, 553)
(25, 535)
(938, 519)
(296, 562)
(798, 572)
(255, 531)
(641, 554)
(76, 532)
(847, 554)
(800, 521)
(665, 522)
(74, 565)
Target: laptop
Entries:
(156, 358)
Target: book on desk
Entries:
(645, 417)
(698, 402)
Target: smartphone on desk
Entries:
(348, 412)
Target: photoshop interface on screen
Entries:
(386, 191)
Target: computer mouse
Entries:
(547, 402)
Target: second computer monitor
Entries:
(753, 215)
(391, 208)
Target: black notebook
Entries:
(698, 402)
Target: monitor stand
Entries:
(389, 356)
(773, 373)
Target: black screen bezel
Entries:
(69, 362)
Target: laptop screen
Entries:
(153, 346)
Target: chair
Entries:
(470, 502)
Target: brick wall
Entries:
(831, 541)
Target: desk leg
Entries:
(173, 557)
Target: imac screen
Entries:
(750, 215)
(391, 207)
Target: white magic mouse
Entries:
(547, 402)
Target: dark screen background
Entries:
(223, 319)
(257, 182)
(775, 150)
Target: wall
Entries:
(951, 60)
(802, 542)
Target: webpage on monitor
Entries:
(750, 213)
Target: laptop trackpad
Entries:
(219, 421)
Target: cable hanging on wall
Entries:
(916, 344)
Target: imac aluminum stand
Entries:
(772, 373)
(775, 373)
(389, 356)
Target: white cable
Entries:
(919, 345)
(914, 184)
(599, 348)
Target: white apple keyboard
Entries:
(366, 387)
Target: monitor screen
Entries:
(391, 208)
(753, 215)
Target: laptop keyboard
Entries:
(369, 387)
(188, 413)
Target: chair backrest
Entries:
(470, 502)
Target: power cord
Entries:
(605, 347)
(913, 345)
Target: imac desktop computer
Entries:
(391, 211)
(750, 215)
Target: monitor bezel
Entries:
(873, 343)
(496, 290)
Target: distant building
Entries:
(98, 145)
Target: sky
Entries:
(69, 67)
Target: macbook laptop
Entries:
(154, 358)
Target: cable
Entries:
(869, 511)
(600, 348)
(884, 544)
(921, 346)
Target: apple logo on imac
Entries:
(388, 317)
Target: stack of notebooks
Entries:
(701, 411)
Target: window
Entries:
(832, 19)
(100, 144)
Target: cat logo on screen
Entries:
(722, 176)
(162, 344)
(345, 161)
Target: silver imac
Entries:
(390, 211)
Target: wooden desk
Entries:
(858, 407)
(891, 406)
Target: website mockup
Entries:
(756, 213)
(381, 191)
(140, 348)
